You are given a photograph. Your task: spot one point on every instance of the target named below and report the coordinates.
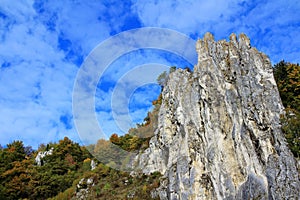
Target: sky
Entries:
(44, 44)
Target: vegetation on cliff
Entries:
(287, 76)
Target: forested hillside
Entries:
(21, 177)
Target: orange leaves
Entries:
(114, 138)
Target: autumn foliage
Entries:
(287, 76)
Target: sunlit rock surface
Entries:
(41, 155)
(219, 133)
(93, 165)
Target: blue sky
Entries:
(44, 43)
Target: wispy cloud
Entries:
(188, 16)
(273, 26)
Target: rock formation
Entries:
(93, 165)
(41, 155)
(219, 134)
(83, 188)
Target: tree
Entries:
(16, 150)
(291, 129)
(61, 168)
(15, 171)
(172, 69)
(16, 180)
(114, 138)
(162, 79)
(13, 152)
(287, 76)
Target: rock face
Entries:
(83, 188)
(93, 165)
(219, 134)
(41, 155)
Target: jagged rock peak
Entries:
(219, 133)
(244, 40)
(208, 36)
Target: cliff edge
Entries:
(219, 133)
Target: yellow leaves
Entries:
(158, 101)
(101, 144)
(87, 160)
(133, 143)
(144, 189)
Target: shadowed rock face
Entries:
(219, 135)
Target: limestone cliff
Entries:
(219, 134)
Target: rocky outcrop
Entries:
(41, 155)
(83, 188)
(93, 165)
(219, 134)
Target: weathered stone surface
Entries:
(93, 165)
(219, 133)
(41, 155)
(83, 188)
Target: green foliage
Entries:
(15, 151)
(15, 171)
(130, 142)
(162, 79)
(12, 153)
(172, 69)
(287, 76)
(138, 138)
(21, 178)
(291, 128)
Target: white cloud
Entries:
(76, 21)
(36, 87)
(273, 28)
(185, 16)
(271, 25)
